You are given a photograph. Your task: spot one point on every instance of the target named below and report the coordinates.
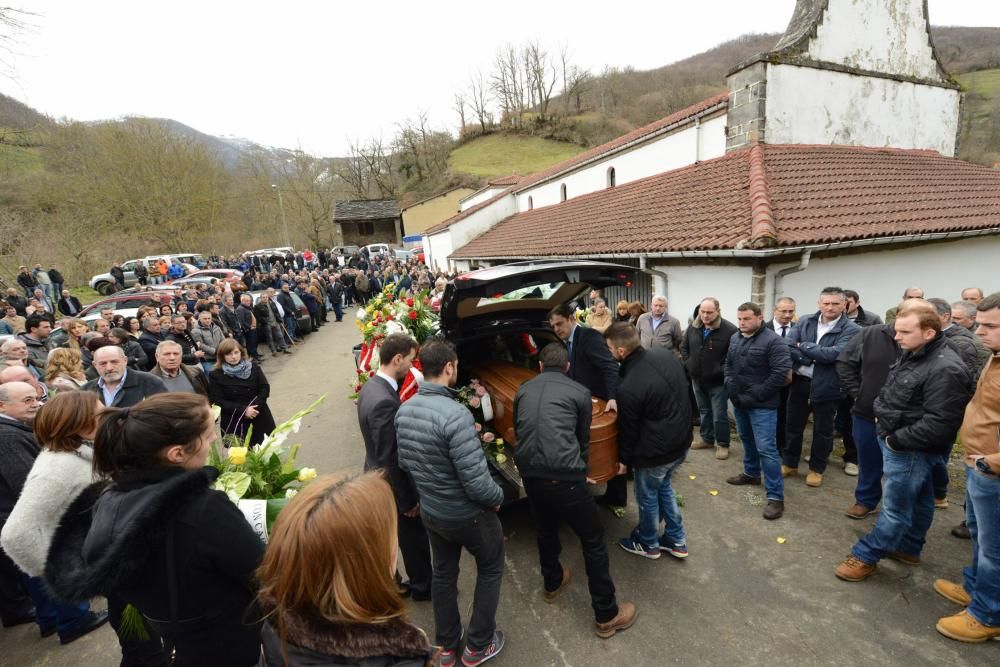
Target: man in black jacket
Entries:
(151, 337)
(592, 365)
(179, 334)
(552, 417)
(654, 434)
(863, 367)
(703, 350)
(248, 324)
(918, 413)
(378, 403)
(117, 386)
(69, 305)
(758, 365)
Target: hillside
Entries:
(980, 140)
(501, 154)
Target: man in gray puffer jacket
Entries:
(440, 449)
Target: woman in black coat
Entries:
(239, 387)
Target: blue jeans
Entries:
(982, 515)
(657, 502)
(868, 492)
(940, 474)
(291, 328)
(51, 614)
(907, 507)
(712, 404)
(757, 427)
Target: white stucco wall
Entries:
(815, 106)
(888, 36)
(458, 234)
(480, 197)
(688, 285)
(942, 269)
(437, 247)
(671, 151)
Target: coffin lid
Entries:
(522, 292)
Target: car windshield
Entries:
(533, 292)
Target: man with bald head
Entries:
(118, 386)
(22, 374)
(909, 293)
(973, 294)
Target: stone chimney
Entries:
(849, 72)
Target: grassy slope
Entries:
(979, 137)
(498, 155)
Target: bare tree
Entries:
(13, 23)
(541, 76)
(480, 101)
(307, 183)
(574, 81)
(460, 110)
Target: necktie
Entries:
(784, 330)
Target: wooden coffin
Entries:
(502, 380)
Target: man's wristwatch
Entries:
(984, 467)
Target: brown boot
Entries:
(952, 591)
(859, 511)
(855, 569)
(550, 596)
(963, 627)
(814, 479)
(789, 471)
(906, 559)
(721, 453)
(627, 614)
(701, 444)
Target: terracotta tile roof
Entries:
(525, 182)
(509, 179)
(805, 194)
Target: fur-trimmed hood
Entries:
(109, 532)
(311, 641)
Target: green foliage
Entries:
(980, 140)
(502, 154)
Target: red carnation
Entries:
(357, 388)
(388, 317)
(413, 314)
(409, 301)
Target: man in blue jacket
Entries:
(757, 367)
(815, 343)
(439, 447)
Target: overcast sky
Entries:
(319, 74)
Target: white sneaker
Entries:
(851, 469)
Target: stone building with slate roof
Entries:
(829, 161)
(364, 221)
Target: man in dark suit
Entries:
(377, 406)
(118, 386)
(69, 305)
(781, 324)
(591, 364)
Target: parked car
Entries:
(208, 275)
(378, 249)
(104, 283)
(402, 254)
(303, 323)
(347, 250)
(418, 252)
(125, 303)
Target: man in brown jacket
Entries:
(980, 435)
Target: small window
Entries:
(531, 203)
(366, 228)
(611, 177)
(562, 192)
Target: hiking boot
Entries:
(814, 479)
(627, 614)
(964, 628)
(774, 509)
(940, 503)
(949, 590)
(906, 559)
(855, 569)
(742, 480)
(675, 550)
(721, 453)
(550, 596)
(789, 471)
(633, 546)
(851, 469)
(701, 444)
(859, 511)
(961, 531)
(471, 658)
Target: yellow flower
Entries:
(306, 474)
(238, 455)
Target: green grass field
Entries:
(498, 155)
(86, 295)
(979, 137)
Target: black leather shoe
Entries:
(91, 621)
(961, 531)
(774, 509)
(420, 596)
(24, 618)
(743, 480)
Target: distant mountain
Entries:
(230, 150)
(16, 115)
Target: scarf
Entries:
(240, 370)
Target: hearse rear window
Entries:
(534, 292)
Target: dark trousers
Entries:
(554, 502)
(14, 599)
(779, 434)
(416, 550)
(845, 427)
(136, 652)
(823, 412)
(481, 536)
(617, 492)
(251, 338)
(338, 310)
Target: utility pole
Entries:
(284, 220)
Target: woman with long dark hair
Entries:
(239, 387)
(137, 359)
(327, 590)
(160, 538)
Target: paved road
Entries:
(741, 598)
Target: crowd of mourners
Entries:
(150, 535)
